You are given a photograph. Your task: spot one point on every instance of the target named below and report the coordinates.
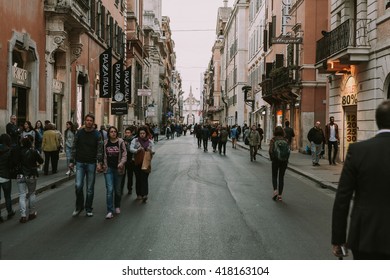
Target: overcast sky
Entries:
(193, 25)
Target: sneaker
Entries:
(67, 173)
(76, 212)
(89, 214)
(117, 210)
(23, 220)
(32, 216)
(108, 216)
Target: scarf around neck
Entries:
(144, 142)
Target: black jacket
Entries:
(316, 135)
(29, 158)
(364, 176)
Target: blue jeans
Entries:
(27, 186)
(68, 151)
(315, 152)
(113, 186)
(87, 170)
(6, 186)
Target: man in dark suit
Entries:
(366, 176)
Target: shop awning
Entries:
(260, 110)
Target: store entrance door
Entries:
(19, 104)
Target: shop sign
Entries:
(118, 81)
(144, 92)
(21, 77)
(119, 108)
(58, 87)
(283, 39)
(151, 111)
(105, 60)
(349, 96)
(127, 84)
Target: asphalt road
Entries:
(201, 206)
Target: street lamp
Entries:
(249, 100)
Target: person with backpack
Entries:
(28, 158)
(279, 153)
(253, 137)
(214, 137)
(223, 137)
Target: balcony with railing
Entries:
(277, 87)
(75, 12)
(347, 43)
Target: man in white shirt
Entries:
(332, 138)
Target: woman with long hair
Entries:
(38, 135)
(138, 147)
(114, 160)
(28, 130)
(279, 165)
(69, 134)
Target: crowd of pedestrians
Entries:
(21, 150)
(26, 150)
(90, 150)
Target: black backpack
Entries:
(281, 150)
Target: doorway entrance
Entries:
(19, 104)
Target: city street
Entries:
(202, 206)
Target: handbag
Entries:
(146, 163)
(246, 141)
(139, 157)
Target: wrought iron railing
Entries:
(283, 78)
(350, 33)
(266, 87)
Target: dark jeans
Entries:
(53, 157)
(199, 142)
(214, 143)
(335, 146)
(222, 147)
(6, 186)
(205, 142)
(141, 181)
(278, 171)
(129, 171)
